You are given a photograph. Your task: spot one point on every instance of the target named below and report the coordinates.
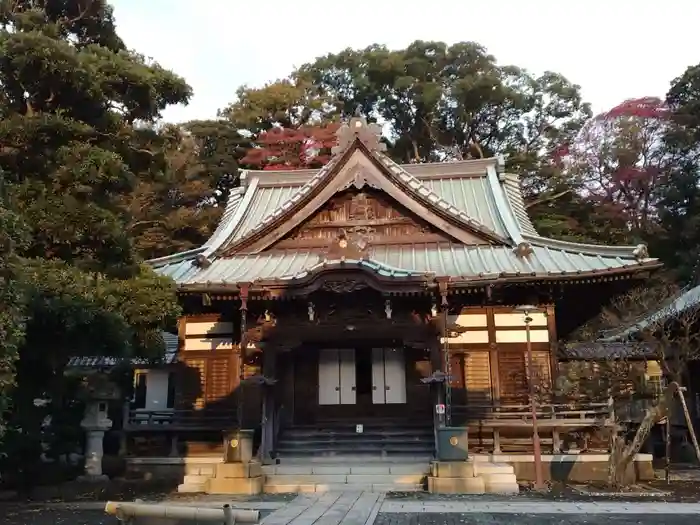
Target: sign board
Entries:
(440, 409)
(359, 429)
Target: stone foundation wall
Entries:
(171, 469)
(573, 468)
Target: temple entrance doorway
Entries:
(361, 376)
(356, 384)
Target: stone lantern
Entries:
(97, 392)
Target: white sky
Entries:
(614, 49)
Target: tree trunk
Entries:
(689, 422)
(621, 455)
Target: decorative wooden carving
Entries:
(359, 129)
(364, 217)
(348, 247)
(343, 286)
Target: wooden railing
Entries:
(500, 427)
(563, 414)
(181, 419)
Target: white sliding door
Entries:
(388, 376)
(328, 377)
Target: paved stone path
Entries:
(539, 507)
(367, 508)
(330, 508)
(362, 508)
(454, 518)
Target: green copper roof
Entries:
(444, 259)
(475, 193)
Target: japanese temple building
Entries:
(370, 297)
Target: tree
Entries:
(73, 146)
(290, 149)
(174, 209)
(436, 102)
(13, 237)
(615, 162)
(220, 146)
(441, 101)
(679, 191)
(657, 323)
(286, 103)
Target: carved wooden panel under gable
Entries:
(368, 214)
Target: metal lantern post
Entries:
(539, 481)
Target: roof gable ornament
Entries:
(348, 245)
(641, 252)
(359, 129)
(523, 250)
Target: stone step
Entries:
(195, 479)
(356, 459)
(191, 488)
(378, 468)
(310, 449)
(456, 485)
(355, 440)
(499, 478)
(339, 487)
(351, 433)
(351, 479)
(501, 488)
(488, 468)
(367, 423)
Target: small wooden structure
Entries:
(348, 286)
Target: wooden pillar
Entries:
(553, 348)
(244, 288)
(269, 415)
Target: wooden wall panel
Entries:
(477, 373)
(192, 392)
(495, 348)
(218, 378)
(210, 328)
(511, 375)
(210, 359)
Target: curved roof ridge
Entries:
(296, 197)
(591, 249)
(227, 220)
(505, 211)
(376, 266)
(232, 205)
(514, 194)
(417, 186)
(175, 257)
(686, 298)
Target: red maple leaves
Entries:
(292, 149)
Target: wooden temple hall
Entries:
(378, 299)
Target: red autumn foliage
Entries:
(616, 160)
(292, 149)
(644, 108)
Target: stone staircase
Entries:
(472, 477)
(332, 456)
(377, 476)
(335, 457)
(379, 441)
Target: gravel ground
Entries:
(90, 517)
(532, 519)
(677, 492)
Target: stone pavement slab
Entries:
(538, 507)
(395, 518)
(329, 508)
